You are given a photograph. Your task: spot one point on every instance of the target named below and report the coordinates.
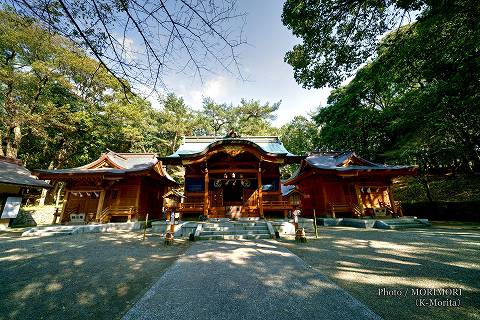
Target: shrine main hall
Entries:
(232, 177)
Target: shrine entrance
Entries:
(233, 193)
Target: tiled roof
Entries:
(345, 162)
(195, 145)
(117, 164)
(16, 174)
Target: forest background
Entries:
(415, 100)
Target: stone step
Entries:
(401, 223)
(407, 225)
(239, 224)
(235, 228)
(239, 232)
(234, 237)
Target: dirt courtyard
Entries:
(100, 276)
(87, 276)
(384, 268)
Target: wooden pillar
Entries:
(205, 200)
(325, 200)
(359, 198)
(260, 190)
(101, 201)
(64, 206)
(392, 201)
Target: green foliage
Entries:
(248, 118)
(442, 188)
(338, 36)
(300, 136)
(417, 101)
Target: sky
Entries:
(269, 78)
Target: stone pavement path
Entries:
(245, 280)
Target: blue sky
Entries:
(269, 77)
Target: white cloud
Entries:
(216, 88)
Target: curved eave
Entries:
(48, 175)
(33, 184)
(351, 172)
(177, 158)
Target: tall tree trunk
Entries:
(14, 137)
(45, 191)
(426, 185)
(59, 192)
(1, 144)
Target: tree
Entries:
(416, 101)
(248, 118)
(300, 136)
(175, 120)
(338, 36)
(138, 41)
(44, 80)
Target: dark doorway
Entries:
(233, 192)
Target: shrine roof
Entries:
(348, 161)
(193, 146)
(12, 172)
(111, 163)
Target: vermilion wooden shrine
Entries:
(232, 176)
(115, 187)
(342, 184)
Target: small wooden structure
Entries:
(342, 184)
(115, 187)
(292, 195)
(172, 200)
(232, 177)
(15, 182)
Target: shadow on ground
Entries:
(233, 280)
(369, 263)
(89, 276)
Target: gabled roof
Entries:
(347, 162)
(12, 172)
(174, 193)
(112, 164)
(194, 146)
(126, 161)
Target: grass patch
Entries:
(442, 188)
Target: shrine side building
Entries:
(114, 188)
(342, 184)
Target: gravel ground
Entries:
(245, 280)
(88, 276)
(382, 267)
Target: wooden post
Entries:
(137, 201)
(145, 227)
(315, 223)
(260, 190)
(101, 201)
(392, 201)
(359, 198)
(64, 207)
(205, 200)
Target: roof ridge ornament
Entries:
(232, 134)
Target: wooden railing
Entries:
(335, 207)
(108, 212)
(357, 211)
(194, 206)
(279, 204)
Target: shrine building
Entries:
(116, 187)
(232, 177)
(342, 184)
